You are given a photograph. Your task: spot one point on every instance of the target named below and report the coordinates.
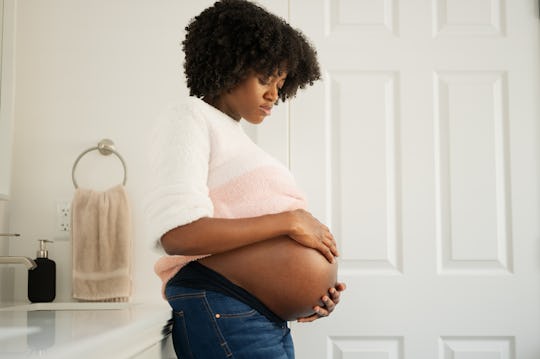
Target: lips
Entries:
(267, 110)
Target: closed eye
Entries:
(264, 81)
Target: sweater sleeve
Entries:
(178, 158)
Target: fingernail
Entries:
(325, 299)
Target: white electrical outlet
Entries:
(63, 216)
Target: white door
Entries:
(420, 149)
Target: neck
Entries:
(219, 103)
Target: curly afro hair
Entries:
(228, 40)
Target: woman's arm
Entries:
(215, 235)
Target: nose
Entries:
(272, 93)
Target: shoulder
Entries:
(185, 110)
(181, 118)
(179, 127)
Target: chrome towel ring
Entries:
(105, 147)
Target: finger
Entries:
(341, 287)
(334, 244)
(329, 305)
(325, 251)
(335, 294)
(334, 250)
(322, 312)
(330, 242)
(308, 319)
(331, 249)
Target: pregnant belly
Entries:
(288, 278)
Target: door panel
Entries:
(420, 149)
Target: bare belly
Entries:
(288, 278)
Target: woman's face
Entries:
(253, 98)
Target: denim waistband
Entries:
(197, 276)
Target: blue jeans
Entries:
(211, 325)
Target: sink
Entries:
(69, 306)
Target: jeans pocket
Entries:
(223, 306)
(180, 336)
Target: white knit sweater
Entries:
(202, 164)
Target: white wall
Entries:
(87, 70)
(3, 227)
(6, 272)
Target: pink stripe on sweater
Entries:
(264, 190)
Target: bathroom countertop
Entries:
(121, 332)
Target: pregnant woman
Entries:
(244, 254)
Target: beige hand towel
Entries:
(101, 238)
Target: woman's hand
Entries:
(309, 232)
(329, 301)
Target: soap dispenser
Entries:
(42, 279)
